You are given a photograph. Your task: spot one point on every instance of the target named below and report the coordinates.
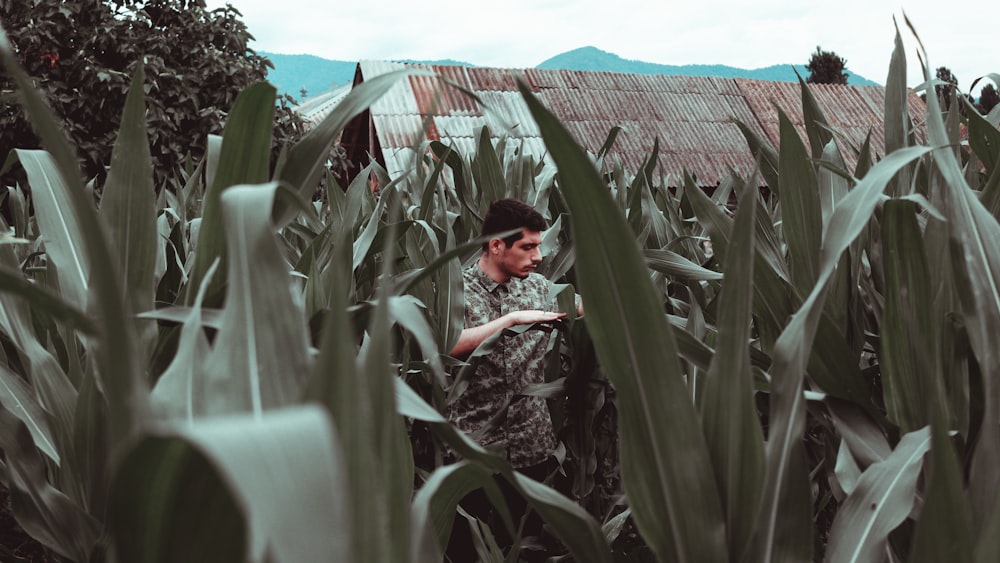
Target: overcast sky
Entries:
(523, 33)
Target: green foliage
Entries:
(826, 67)
(988, 99)
(82, 55)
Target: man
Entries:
(502, 291)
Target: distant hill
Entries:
(292, 73)
(592, 58)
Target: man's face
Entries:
(523, 256)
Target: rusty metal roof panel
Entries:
(691, 116)
(399, 130)
(459, 126)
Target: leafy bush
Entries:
(82, 55)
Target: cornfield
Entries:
(238, 371)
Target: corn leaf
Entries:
(386, 487)
(42, 510)
(666, 468)
(41, 299)
(487, 170)
(817, 128)
(909, 358)
(19, 400)
(433, 509)
(728, 412)
(785, 456)
(128, 206)
(881, 501)
(944, 531)
(56, 393)
(59, 224)
(260, 355)
(672, 264)
(175, 390)
(975, 239)
(801, 212)
(243, 159)
(574, 526)
(268, 487)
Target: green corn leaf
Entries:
(487, 170)
(56, 393)
(450, 295)
(987, 548)
(41, 299)
(882, 499)
(674, 265)
(577, 529)
(88, 480)
(260, 355)
(42, 510)
(176, 389)
(896, 115)
(984, 138)
(666, 468)
(832, 186)
(406, 310)
(59, 224)
(786, 462)
(128, 206)
(243, 159)
(909, 356)
(767, 157)
(433, 510)
(235, 489)
(975, 239)
(801, 212)
(817, 128)
(19, 400)
(387, 484)
(772, 303)
(864, 438)
(728, 412)
(365, 241)
(944, 530)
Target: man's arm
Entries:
(473, 336)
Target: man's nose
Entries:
(537, 255)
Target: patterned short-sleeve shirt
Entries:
(515, 362)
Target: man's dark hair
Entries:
(508, 214)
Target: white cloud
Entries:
(523, 33)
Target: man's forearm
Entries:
(474, 336)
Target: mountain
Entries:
(592, 58)
(292, 73)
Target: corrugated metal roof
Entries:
(315, 109)
(691, 116)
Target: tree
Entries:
(988, 99)
(945, 91)
(826, 67)
(82, 54)
(949, 89)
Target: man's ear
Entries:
(496, 246)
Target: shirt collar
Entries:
(486, 281)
